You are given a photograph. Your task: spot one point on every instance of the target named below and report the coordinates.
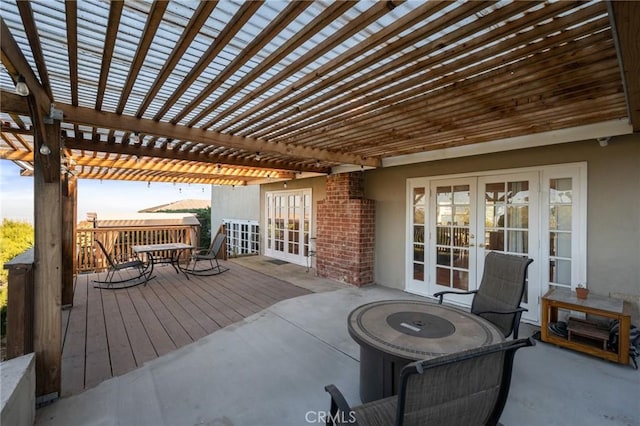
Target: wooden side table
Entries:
(606, 307)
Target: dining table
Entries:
(393, 333)
(161, 253)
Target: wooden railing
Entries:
(20, 305)
(118, 242)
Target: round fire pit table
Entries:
(393, 333)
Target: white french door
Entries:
(455, 222)
(507, 204)
(288, 225)
(452, 233)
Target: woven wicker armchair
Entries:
(498, 298)
(466, 388)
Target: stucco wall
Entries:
(613, 244)
(241, 202)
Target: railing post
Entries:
(20, 305)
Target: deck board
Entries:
(111, 332)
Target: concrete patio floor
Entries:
(271, 368)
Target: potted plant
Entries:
(582, 292)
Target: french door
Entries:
(456, 222)
(288, 225)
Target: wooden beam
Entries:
(14, 61)
(48, 270)
(29, 23)
(71, 15)
(625, 22)
(244, 13)
(260, 110)
(328, 16)
(69, 216)
(151, 27)
(101, 119)
(280, 22)
(115, 12)
(11, 103)
(200, 16)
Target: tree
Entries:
(15, 238)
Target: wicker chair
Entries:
(498, 298)
(467, 388)
(209, 254)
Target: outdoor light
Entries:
(285, 184)
(136, 137)
(257, 156)
(22, 89)
(44, 150)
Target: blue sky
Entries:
(104, 198)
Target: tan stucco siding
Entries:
(613, 245)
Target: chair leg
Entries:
(516, 324)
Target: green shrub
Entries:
(15, 238)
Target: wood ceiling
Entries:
(232, 92)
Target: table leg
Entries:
(147, 275)
(544, 326)
(623, 339)
(175, 262)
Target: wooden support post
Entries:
(69, 215)
(48, 262)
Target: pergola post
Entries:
(69, 215)
(47, 337)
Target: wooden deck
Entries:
(110, 332)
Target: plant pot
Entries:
(582, 293)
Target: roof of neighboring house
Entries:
(146, 219)
(179, 205)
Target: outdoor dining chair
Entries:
(465, 388)
(115, 267)
(500, 293)
(209, 255)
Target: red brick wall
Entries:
(346, 231)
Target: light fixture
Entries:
(257, 155)
(604, 141)
(285, 184)
(136, 137)
(148, 184)
(21, 87)
(44, 150)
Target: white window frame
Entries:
(576, 171)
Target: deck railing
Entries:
(118, 242)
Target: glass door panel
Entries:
(507, 201)
(453, 227)
(418, 225)
(288, 225)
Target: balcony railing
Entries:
(118, 242)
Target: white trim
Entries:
(299, 259)
(573, 134)
(576, 170)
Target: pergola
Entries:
(232, 92)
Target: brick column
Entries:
(346, 231)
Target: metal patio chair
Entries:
(115, 267)
(209, 254)
(500, 293)
(466, 388)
